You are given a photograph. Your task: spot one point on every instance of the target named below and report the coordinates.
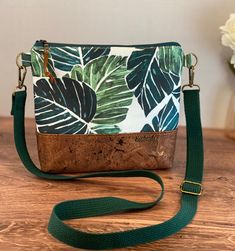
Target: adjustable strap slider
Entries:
(191, 187)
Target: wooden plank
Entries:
(26, 201)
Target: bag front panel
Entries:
(106, 107)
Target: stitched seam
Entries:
(130, 135)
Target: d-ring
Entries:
(196, 59)
(21, 72)
(18, 58)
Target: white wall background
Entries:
(193, 23)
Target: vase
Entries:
(230, 119)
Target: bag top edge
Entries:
(56, 44)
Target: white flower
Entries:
(228, 31)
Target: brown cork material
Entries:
(63, 153)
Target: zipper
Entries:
(46, 50)
(52, 44)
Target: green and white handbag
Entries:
(110, 111)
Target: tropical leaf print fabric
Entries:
(66, 57)
(107, 89)
(154, 72)
(67, 108)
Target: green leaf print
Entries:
(66, 57)
(154, 74)
(64, 107)
(106, 76)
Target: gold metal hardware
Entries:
(193, 183)
(192, 74)
(18, 58)
(196, 59)
(21, 72)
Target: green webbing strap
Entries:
(67, 210)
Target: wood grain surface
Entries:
(26, 201)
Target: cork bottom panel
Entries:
(86, 153)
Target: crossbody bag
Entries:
(110, 111)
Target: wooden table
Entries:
(26, 201)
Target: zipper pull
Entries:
(45, 61)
